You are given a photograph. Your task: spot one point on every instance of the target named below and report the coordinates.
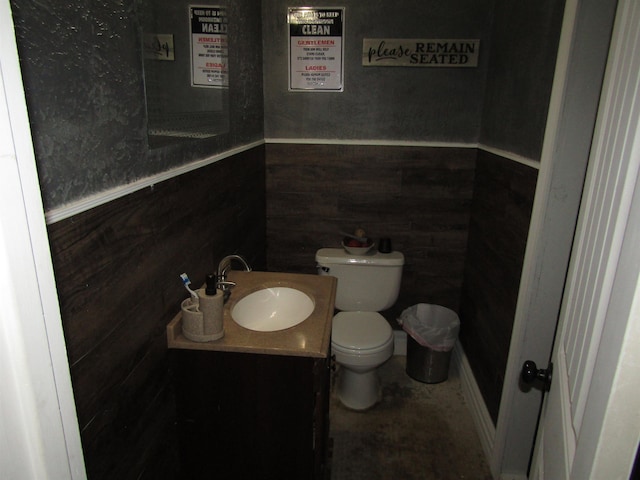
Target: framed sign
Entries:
(316, 49)
(411, 52)
(157, 46)
(209, 46)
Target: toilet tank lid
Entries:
(333, 256)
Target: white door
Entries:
(590, 420)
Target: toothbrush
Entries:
(186, 282)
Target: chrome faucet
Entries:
(221, 275)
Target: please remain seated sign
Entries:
(377, 52)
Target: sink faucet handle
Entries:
(225, 287)
(214, 283)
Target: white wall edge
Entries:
(73, 208)
(481, 418)
(407, 143)
(516, 476)
(399, 342)
(511, 156)
(375, 143)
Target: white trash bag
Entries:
(431, 326)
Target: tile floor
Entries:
(417, 431)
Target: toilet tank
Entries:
(369, 283)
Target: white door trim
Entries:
(39, 437)
(573, 107)
(596, 392)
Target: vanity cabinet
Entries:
(252, 416)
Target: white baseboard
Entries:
(481, 417)
(484, 425)
(399, 342)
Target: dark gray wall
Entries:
(85, 91)
(502, 104)
(82, 71)
(382, 103)
(519, 80)
(521, 66)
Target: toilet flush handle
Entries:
(323, 269)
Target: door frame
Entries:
(39, 434)
(596, 407)
(580, 65)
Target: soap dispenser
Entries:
(205, 323)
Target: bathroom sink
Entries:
(272, 309)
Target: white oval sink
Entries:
(272, 309)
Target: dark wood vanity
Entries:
(255, 405)
(252, 416)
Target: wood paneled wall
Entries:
(458, 215)
(419, 197)
(501, 212)
(117, 266)
(117, 269)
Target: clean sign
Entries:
(316, 49)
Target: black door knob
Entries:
(531, 373)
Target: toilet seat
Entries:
(360, 333)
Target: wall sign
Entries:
(405, 52)
(316, 49)
(158, 46)
(209, 46)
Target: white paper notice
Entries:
(316, 49)
(209, 46)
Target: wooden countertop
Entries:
(311, 338)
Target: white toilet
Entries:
(361, 338)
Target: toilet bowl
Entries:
(361, 342)
(361, 338)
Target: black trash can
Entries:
(432, 331)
